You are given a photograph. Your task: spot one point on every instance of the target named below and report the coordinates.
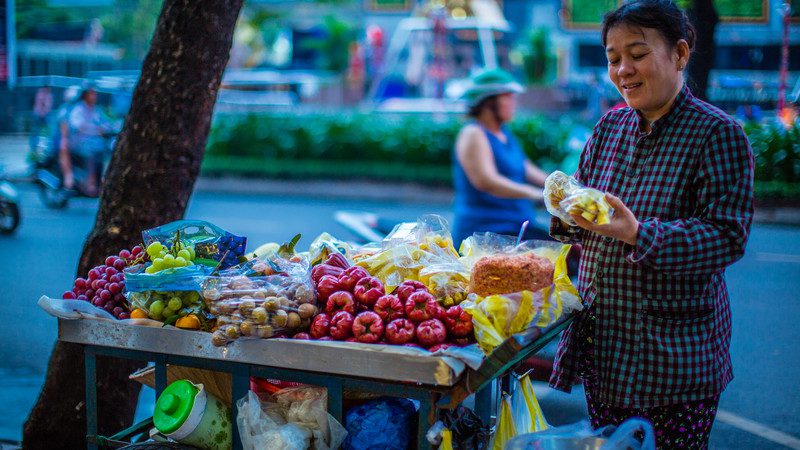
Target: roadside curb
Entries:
(402, 193)
(777, 215)
(330, 189)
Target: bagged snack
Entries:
(508, 273)
(564, 196)
(261, 306)
(516, 287)
(209, 244)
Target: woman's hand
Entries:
(623, 225)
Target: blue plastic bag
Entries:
(189, 278)
(385, 423)
(211, 243)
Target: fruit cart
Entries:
(337, 366)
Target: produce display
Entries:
(356, 307)
(407, 290)
(104, 284)
(564, 196)
(261, 306)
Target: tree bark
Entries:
(703, 16)
(150, 178)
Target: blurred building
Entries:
(748, 38)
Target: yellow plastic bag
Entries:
(497, 317)
(505, 429)
(447, 440)
(558, 296)
(527, 414)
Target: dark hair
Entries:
(661, 15)
(489, 102)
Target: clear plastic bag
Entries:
(633, 434)
(306, 406)
(564, 196)
(421, 251)
(212, 245)
(169, 294)
(261, 426)
(189, 278)
(294, 418)
(324, 245)
(260, 307)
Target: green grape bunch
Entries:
(179, 254)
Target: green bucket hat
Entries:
(488, 83)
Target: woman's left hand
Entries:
(623, 225)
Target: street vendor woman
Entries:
(654, 340)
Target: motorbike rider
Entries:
(88, 131)
(495, 183)
(60, 133)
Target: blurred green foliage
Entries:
(333, 47)
(419, 147)
(538, 60)
(776, 152)
(346, 145)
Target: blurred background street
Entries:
(355, 105)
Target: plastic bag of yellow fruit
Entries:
(590, 204)
(564, 196)
(421, 251)
(447, 281)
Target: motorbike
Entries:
(9, 205)
(47, 174)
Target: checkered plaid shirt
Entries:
(663, 326)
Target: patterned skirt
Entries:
(681, 426)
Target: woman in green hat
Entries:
(495, 183)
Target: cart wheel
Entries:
(158, 446)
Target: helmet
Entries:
(490, 82)
(71, 93)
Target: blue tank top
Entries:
(477, 211)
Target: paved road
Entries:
(42, 256)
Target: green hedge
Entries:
(419, 147)
(776, 153)
(379, 146)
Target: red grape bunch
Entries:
(104, 284)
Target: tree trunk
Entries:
(151, 176)
(704, 17)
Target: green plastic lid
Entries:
(174, 405)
